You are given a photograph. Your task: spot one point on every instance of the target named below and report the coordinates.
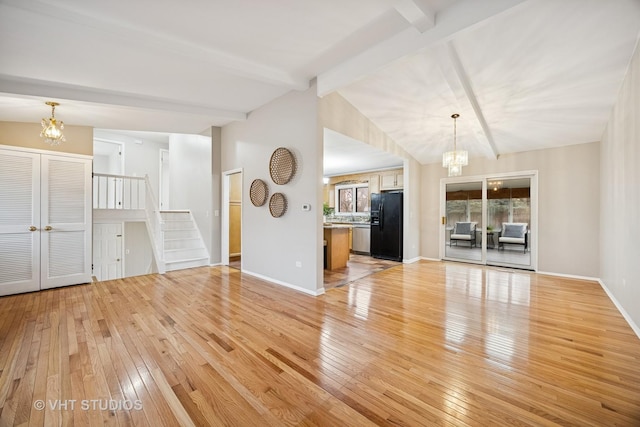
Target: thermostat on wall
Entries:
(306, 207)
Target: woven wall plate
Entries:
(282, 166)
(277, 205)
(258, 192)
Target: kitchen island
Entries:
(336, 237)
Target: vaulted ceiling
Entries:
(523, 74)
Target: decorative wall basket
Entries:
(277, 205)
(282, 166)
(258, 192)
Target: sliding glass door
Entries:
(463, 221)
(490, 220)
(509, 225)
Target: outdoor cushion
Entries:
(514, 230)
(462, 228)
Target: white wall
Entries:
(139, 159)
(191, 179)
(272, 246)
(568, 204)
(620, 207)
(139, 259)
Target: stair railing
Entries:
(155, 226)
(118, 191)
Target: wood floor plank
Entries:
(430, 343)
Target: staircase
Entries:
(183, 244)
(176, 241)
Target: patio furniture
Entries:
(464, 231)
(514, 233)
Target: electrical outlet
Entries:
(299, 264)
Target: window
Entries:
(352, 199)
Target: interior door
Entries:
(107, 251)
(65, 201)
(19, 222)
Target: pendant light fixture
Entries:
(456, 159)
(51, 128)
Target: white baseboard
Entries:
(217, 264)
(569, 276)
(411, 261)
(621, 309)
(236, 254)
(424, 258)
(613, 299)
(285, 284)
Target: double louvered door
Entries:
(45, 221)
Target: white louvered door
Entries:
(66, 221)
(45, 221)
(19, 222)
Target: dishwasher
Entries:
(361, 239)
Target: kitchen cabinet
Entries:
(45, 220)
(391, 180)
(374, 183)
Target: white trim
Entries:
(285, 284)
(424, 258)
(621, 309)
(568, 276)
(42, 151)
(224, 221)
(613, 299)
(412, 260)
(217, 264)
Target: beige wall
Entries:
(79, 139)
(337, 114)
(568, 204)
(620, 207)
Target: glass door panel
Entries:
(509, 222)
(463, 221)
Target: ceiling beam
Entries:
(146, 39)
(40, 88)
(458, 80)
(462, 15)
(417, 13)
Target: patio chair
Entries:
(464, 231)
(514, 233)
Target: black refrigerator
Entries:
(386, 225)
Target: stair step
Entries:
(184, 253)
(186, 263)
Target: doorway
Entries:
(231, 250)
(490, 220)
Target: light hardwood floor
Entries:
(423, 344)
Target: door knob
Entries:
(48, 228)
(32, 228)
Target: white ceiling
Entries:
(523, 74)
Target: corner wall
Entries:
(568, 204)
(620, 207)
(286, 250)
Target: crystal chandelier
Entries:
(51, 128)
(456, 159)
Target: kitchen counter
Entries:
(329, 225)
